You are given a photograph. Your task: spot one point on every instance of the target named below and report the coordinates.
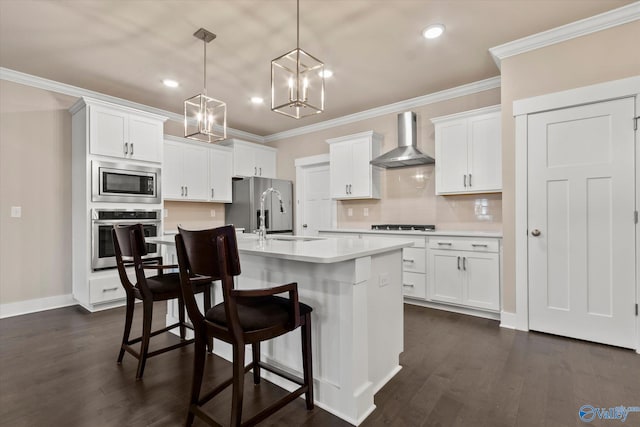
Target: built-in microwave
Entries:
(125, 183)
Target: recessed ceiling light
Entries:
(256, 100)
(170, 83)
(433, 31)
(325, 73)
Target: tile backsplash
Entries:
(408, 197)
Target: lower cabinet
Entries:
(105, 289)
(465, 272)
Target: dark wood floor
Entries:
(57, 368)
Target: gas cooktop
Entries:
(404, 227)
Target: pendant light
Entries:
(205, 118)
(297, 81)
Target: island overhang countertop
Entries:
(321, 250)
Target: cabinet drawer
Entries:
(465, 244)
(413, 260)
(413, 285)
(105, 289)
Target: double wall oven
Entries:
(121, 185)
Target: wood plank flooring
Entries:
(58, 368)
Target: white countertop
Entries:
(322, 250)
(492, 234)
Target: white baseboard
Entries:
(34, 305)
(454, 308)
(508, 320)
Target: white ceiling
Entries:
(124, 48)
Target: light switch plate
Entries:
(384, 279)
(213, 213)
(16, 211)
(365, 212)
(165, 212)
(350, 212)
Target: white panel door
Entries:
(340, 166)
(145, 139)
(316, 200)
(195, 172)
(451, 152)
(445, 276)
(108, 132)
(581, 222)
(361, 168)
(484, 153)
(172, 184)
(220, 173)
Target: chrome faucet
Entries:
(262, 231)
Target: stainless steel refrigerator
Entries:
(244, 211)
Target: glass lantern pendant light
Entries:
(205, 118)
(297, 81)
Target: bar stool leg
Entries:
(181, 320)
(238, 384)
(255, 349)
(147, 317)
(199, 352)
(307, 365)
(131, 302)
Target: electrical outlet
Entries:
(365, 212)
(165, 213)
(16, 211)
(213, 213)
(350, 212)
(384, 280)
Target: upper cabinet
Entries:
(196, 172)
(251, 159)
(469, 152)
(351, 174)
(124, 133)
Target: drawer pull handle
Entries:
(408, 285)
(478, 245)
(110, 289)
(444, 243)
(408, 260)
(464, 263)
(458, 263)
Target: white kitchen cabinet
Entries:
(220, 174)
(469, 152)
(351, 174)
(185, 172)
(119, 132)
(465, 272)
(251, 159)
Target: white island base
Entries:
(357, 322)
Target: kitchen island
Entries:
(355, 289)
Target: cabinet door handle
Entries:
(479, 245)
(255, 170)
(110, 289)
(408, 285)
(464, 180)
(444, 243)
(126, 148)
(346, 189)
(186, 191)
(464, 263)
(469, 180)
(131, 148)
(182, 190)
(408, 260)
(260, 171)
(212, 193)
(350, 192)
(458, 263)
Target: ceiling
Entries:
(374, 47)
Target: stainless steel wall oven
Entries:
(123, 182)
(102, 222)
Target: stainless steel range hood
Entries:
(407, 153)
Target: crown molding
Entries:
(612, 18)
(468, 89)
(65, 89)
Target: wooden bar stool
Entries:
(130, 247)
(244, 317)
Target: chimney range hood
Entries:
(407, 153)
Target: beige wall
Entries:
(408, 194)
(35, 173)
(607, 55)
